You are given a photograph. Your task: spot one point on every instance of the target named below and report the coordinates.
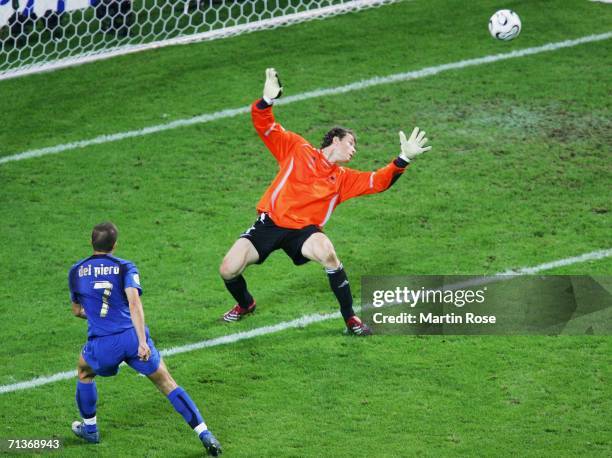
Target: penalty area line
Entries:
(297, 323)
(355, 86)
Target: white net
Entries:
(39, 35)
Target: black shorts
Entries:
(267, 237)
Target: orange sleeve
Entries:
(356, 183)
(278, 140)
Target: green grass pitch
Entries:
(519, 175)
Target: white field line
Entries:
(358, 85)
(297, 323)
(592, 256)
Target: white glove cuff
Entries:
(404, 158)
(268, 100)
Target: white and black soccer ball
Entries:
(505, 25)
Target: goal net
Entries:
(40, 35)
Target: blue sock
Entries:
(86, 399)
(185, 406)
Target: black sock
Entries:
(341, 288)
(238, 288)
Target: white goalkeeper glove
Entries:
(273, 88)
(413, 146)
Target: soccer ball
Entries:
(505, 25)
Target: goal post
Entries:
(43, 35)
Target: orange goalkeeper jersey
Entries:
(308, 187)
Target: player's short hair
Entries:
(339, 132)
(104, 236)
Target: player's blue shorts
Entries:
(104, 354)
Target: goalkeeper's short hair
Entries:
(336, 131)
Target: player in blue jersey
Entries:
(106, 291)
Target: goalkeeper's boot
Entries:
(356, 327)
(78, 428)
(237, 312)
(211, 444)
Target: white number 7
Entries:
(108, 289)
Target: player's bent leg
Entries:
(183, 404)
(319, 248)
(86, 399)
(162, 379)
(241, 255)
(85, 373)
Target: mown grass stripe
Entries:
(297, 323)
(355, 86)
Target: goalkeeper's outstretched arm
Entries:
(355, 183)
(278, 140)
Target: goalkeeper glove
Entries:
(273, 88)
(413, 146)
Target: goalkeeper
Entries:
(310, 183)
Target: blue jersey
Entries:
(98, 284)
